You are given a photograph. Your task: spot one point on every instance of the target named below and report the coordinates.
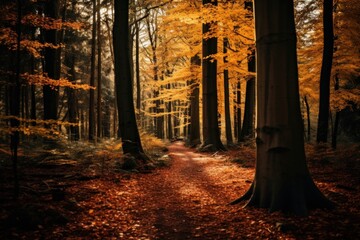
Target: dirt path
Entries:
(187, 200)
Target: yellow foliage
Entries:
(42, 79)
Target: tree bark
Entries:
(99, 73)
(228, 133)
(52, 63)
(323, 120)
(237, 121)
(337, 119)
(282, 181)
(308, 119)
(127, 121)
(194, 132)
(15, 104)
(92, 77)
(247, 130)
(211, 131)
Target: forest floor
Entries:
(186, 198)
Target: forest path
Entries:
(189, 199)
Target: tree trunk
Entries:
(137, 69)
(247, 130)
(323, 120)
(282, 181)
(51, 63)
(15, 105)
(194, 132)
(72, 99)
(127, 121)
(337, 118)
(211, 131)
(308, 119)
(92, 77)
(229, 139)
(169, 116)
(99, 72)
(237, 116)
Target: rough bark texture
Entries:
(323, 120)
(282, 181)
(211, 131)
(127, 122)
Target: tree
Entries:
(323, 120)
(99, 72)
(52, 62)
(92, 77)
(194, 131)
(211, 131)
(129, 133)
(282, 181)
(229, 140)
(247, 130)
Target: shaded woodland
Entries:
(162, 119)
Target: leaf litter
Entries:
(186, 200)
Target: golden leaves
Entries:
(42, 79)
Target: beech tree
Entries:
(52, 62)
(324, 105)
(282, 181)
(211, 131)
(129, 133)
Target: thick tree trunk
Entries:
(211, 131)
(228, 133)
(127, 121)
(323, 120)
(282, 181)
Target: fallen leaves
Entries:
(188, 200)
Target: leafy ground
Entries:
(88, 196)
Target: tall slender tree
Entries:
(328, 52)
(92, 76)
(194, 131)
(247, 130)
(52, 62)
(282, 181)
(211, 131)
(99, 72)
(228, 133)
(129, 133)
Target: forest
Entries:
(179, 119)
